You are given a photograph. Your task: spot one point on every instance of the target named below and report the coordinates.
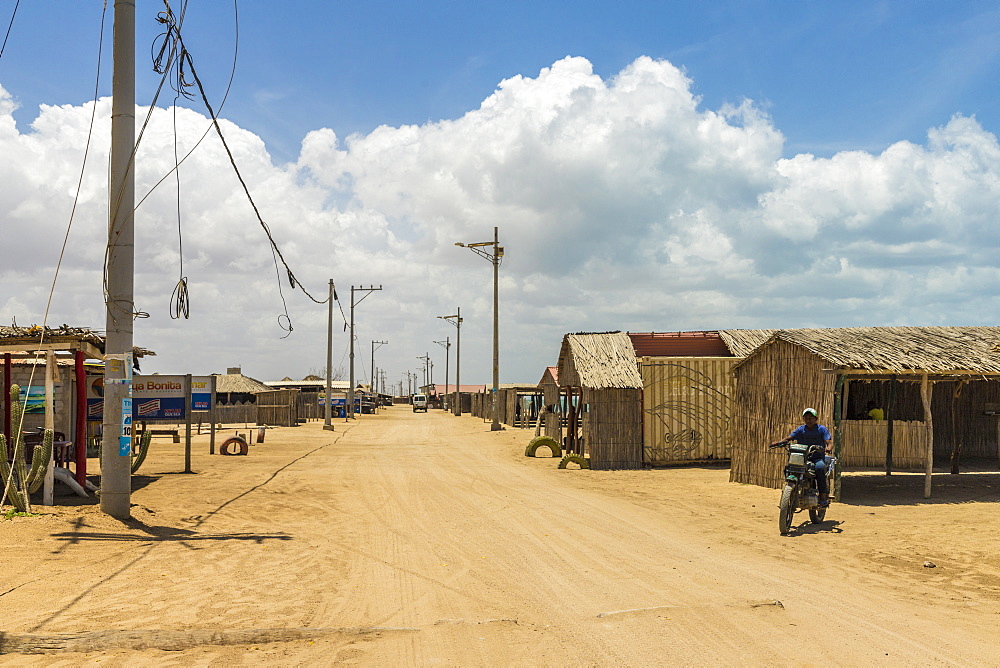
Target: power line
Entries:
(11, 24)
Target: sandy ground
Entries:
(425, 539)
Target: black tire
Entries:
(238, 445)
(786, 509)
(817, 515)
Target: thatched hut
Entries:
(604, 399)
(938, 388)
(551, 420)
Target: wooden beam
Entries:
(926, 388)
(89, 349)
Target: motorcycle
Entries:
(801, 491)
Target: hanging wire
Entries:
(11, 25)
(69, 226)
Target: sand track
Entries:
(416, 539)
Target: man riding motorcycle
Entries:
(813, 433)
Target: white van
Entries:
(419, 402)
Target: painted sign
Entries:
(155, 397)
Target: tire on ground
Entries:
(238, 445)
(543, 441)
(576, 459)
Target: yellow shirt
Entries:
(876, 414)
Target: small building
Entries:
(938, 389)
(604, 399)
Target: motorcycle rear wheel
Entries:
(786, 509)
(816, 515)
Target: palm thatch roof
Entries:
(30, 338)
(237, 383)
(742, 342)
(901, 349)
(598, 361)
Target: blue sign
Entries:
(125, 440)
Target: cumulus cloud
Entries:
(622, 203)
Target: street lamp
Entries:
(374, 385)
(446, 344)
(494, 255)
(457, 321)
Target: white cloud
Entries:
(622, 203)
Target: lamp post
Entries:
(457, 321)
(349, 412)
(494, 255)
(426, 360)
(446, 344)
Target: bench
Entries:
(175, 433)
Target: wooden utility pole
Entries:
(116, 453)
(328, 407)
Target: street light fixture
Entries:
(494, 255)
(446, 344)
(457, 321)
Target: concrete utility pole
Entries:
(328, 407)
(350, 391)
(457, 321)
(494, 255)
(446, 344)
(116, 454)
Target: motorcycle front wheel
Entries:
(786, 509)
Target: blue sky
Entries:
(652, 166)
(833, 75)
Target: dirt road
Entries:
(425, 539)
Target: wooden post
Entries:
(839, 406)
(48, 486)
(926, 388)
(7, 381)
(187, 424)
(80, 436)
(212, 417)
(890, 409)
(956, 442)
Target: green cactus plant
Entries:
(19, 481)
(139, 457)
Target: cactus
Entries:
(19, 481)
(139, 457)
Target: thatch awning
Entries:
(901, 350)
(598, 361)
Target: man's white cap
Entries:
(810, 411)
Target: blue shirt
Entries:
(818, 436)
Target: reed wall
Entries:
(612, 428)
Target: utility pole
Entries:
(116, 454)
(350, 391)
(457, 321)
(446, 344)
(494, 255)
(328, 407)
